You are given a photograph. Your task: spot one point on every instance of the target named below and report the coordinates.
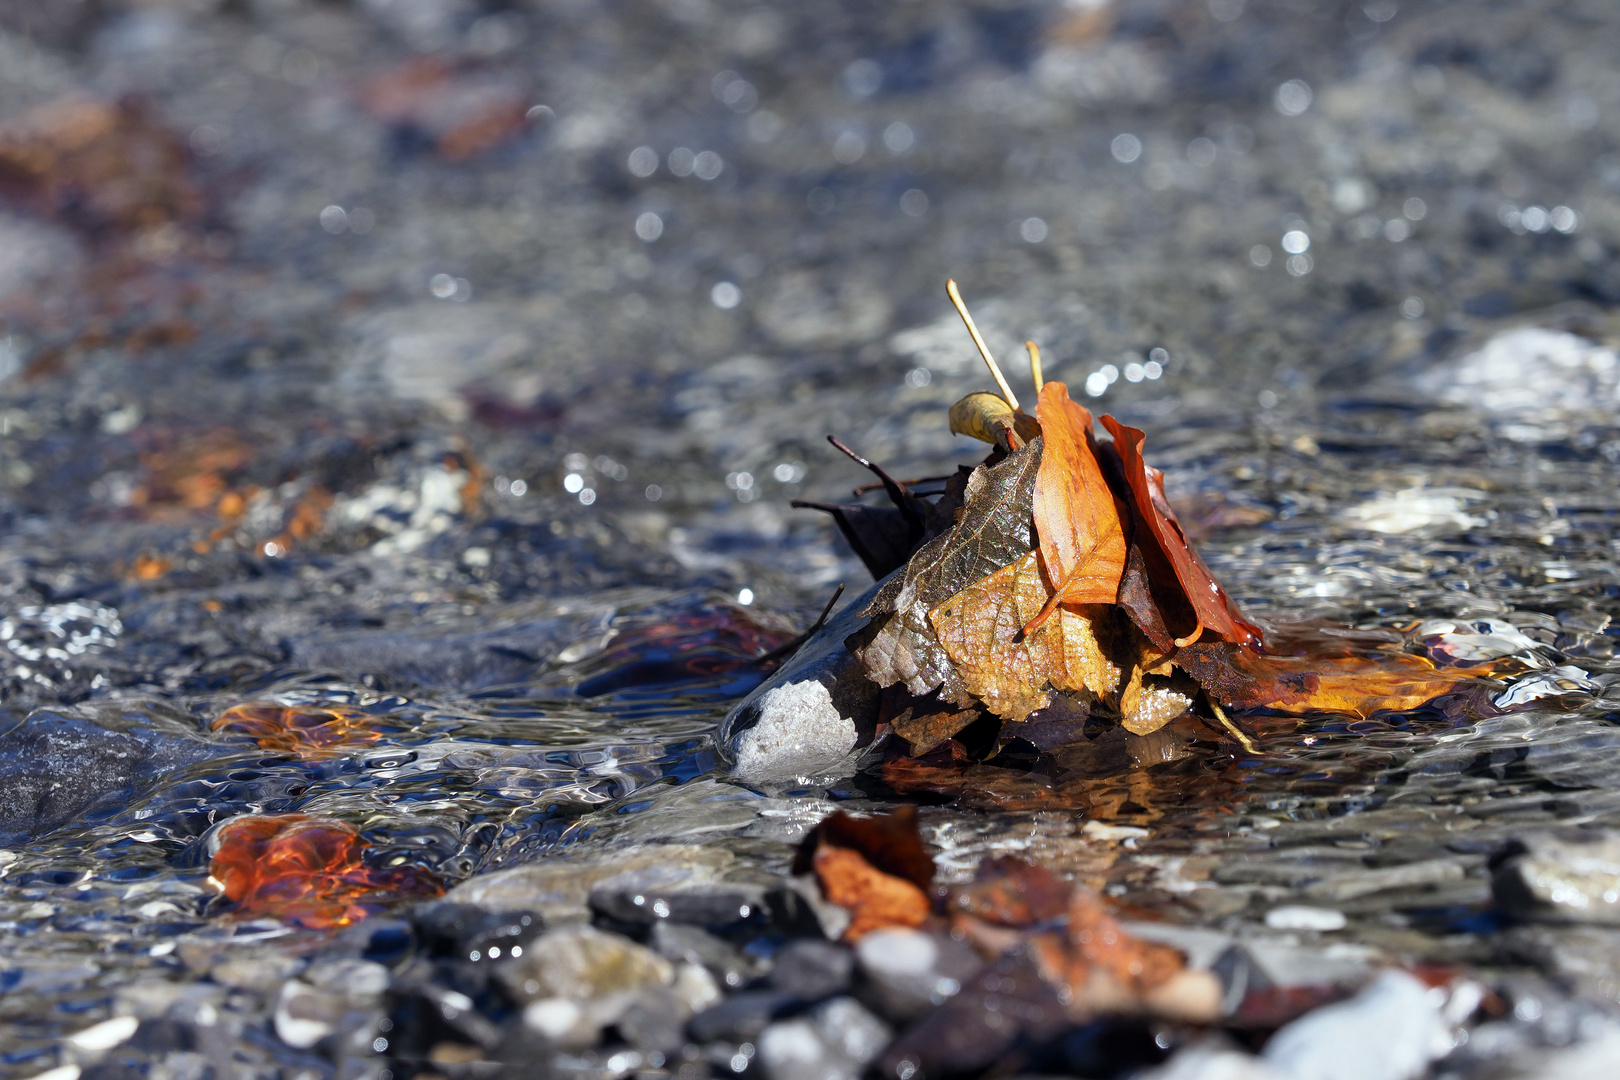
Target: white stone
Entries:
(103, 1036)
(1301, 917)
(799, 731)
(299, 1015)
(897, 952)
(1529, 370)
(1391, 1030)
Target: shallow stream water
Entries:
(451, 365)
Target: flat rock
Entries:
(582, 963)
(559, 889)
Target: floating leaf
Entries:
(307, 871)
(899, 646)
(982, 631)
(1212, 607)
(1348, 685)
(1079, 524)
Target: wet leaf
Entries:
(306, 731)
(900, 646)
(875, 867)
(1098, 968)
(307, 871)
(880, 536)
(1349, 685)
(1211, 606)
(927, 722)
(1009, 891)
(982, 631)
(1077, 519)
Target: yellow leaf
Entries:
(981, 627)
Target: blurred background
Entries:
(444, 369)
(562, 296)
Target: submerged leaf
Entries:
(992, 530)
(1211, 605)
(1082, 536)
(981, 628)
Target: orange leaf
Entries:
(1214, 609)
(982, 629)
(306, 731)
(308, 871)
(1082, 538)
(875, 900)
(1348, 685)
(876, 868)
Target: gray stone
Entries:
(1561, 880)
(835, 1042)
(906, 973)
(637, 900)
(559, 889)
(1391, 1030)
(812, 970)
(580, 963)
(694, 945)
(741, 1017)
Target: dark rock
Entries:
(56, 768)
(740, 1017)
(654, 1022)
(634, 903)
(730, 967)
(1006, 1016)
(905, 973)
(469, 933)
(812, 970)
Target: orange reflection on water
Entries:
(301, 730)
(307, 871)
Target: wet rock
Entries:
(636, 900)
(56, 767)
(357, 980)
(741, 1017)
(693, 945)
(809, 715)
(1561, 880)
(304, 1016)
(812, 970)
(474, 661)
(1391, 1030)
(1585, 958)
(471, 933)
(559, 889)
(797, 906)
(834, 1042)
(905, 973)
(1213, 1059)
(259, 970)
(654, 1021)
(581, 963)
(1007, 1005)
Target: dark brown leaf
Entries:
(1213, 609)
(890, 842)
(1009, 891)
(899, 645)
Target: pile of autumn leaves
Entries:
(1058, 567)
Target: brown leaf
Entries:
(874, 900)
(982, 631)
(876, 868)
(992, 530)
(1099, 968)
(927, 722)
(1082, 537)
(890, 842)
(1009, 891)
(1213, 609)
